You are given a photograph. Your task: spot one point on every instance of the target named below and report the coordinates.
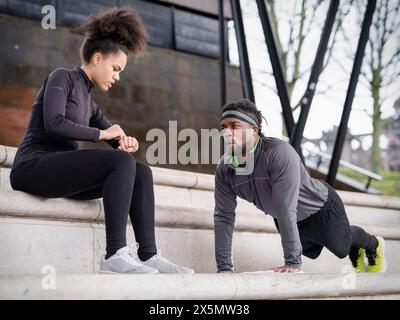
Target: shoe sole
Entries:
(187, 272)
(382, 241)
(155, 271)
(107, 272)
(112, 272)
(176, 272)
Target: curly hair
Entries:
(249, 108)
(113, 30)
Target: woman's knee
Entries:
(19, 180)
(14, 181)
(124, 159)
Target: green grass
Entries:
(389, 185)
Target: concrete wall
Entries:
(56, 243)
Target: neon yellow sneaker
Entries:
(358, 261)
(377, 261)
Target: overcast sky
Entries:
(326, 109)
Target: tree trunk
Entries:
(376, 122)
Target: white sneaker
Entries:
(165, 266)
(124, 262)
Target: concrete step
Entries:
(29, 245)
(205, 182)
(383, 216)
(197, 286)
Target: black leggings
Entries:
(125, 185)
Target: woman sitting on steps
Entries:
(49, 164)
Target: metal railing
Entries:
(325, 156)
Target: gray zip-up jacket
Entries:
(279, 185)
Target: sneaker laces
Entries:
(130, 258)
(158, 256)
(133, 249)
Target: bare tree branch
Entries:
(388, 96)
(297, 53)
(371, 56)
(266, 85)
(348, 48)
(313, 13)
(392, 60)
(329, 87)
(383, 38)
(366, 77)
(390, 79)
(394, 26)
(264, 72)
(274, 25)
(341, 15)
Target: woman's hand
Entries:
(129, 144)
(285, 269)
(126, 143)
(113, 132)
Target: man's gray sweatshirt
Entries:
(278, 185)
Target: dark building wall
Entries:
(207, 6)
(160, 85)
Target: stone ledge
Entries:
(195, 199)
(203, 286)
(7, 155)
(23, 205)
(201, 181)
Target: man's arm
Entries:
(285, 180)
(100, 121)
(224, 220)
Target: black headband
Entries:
(239, 115)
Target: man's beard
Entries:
(235, 149)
